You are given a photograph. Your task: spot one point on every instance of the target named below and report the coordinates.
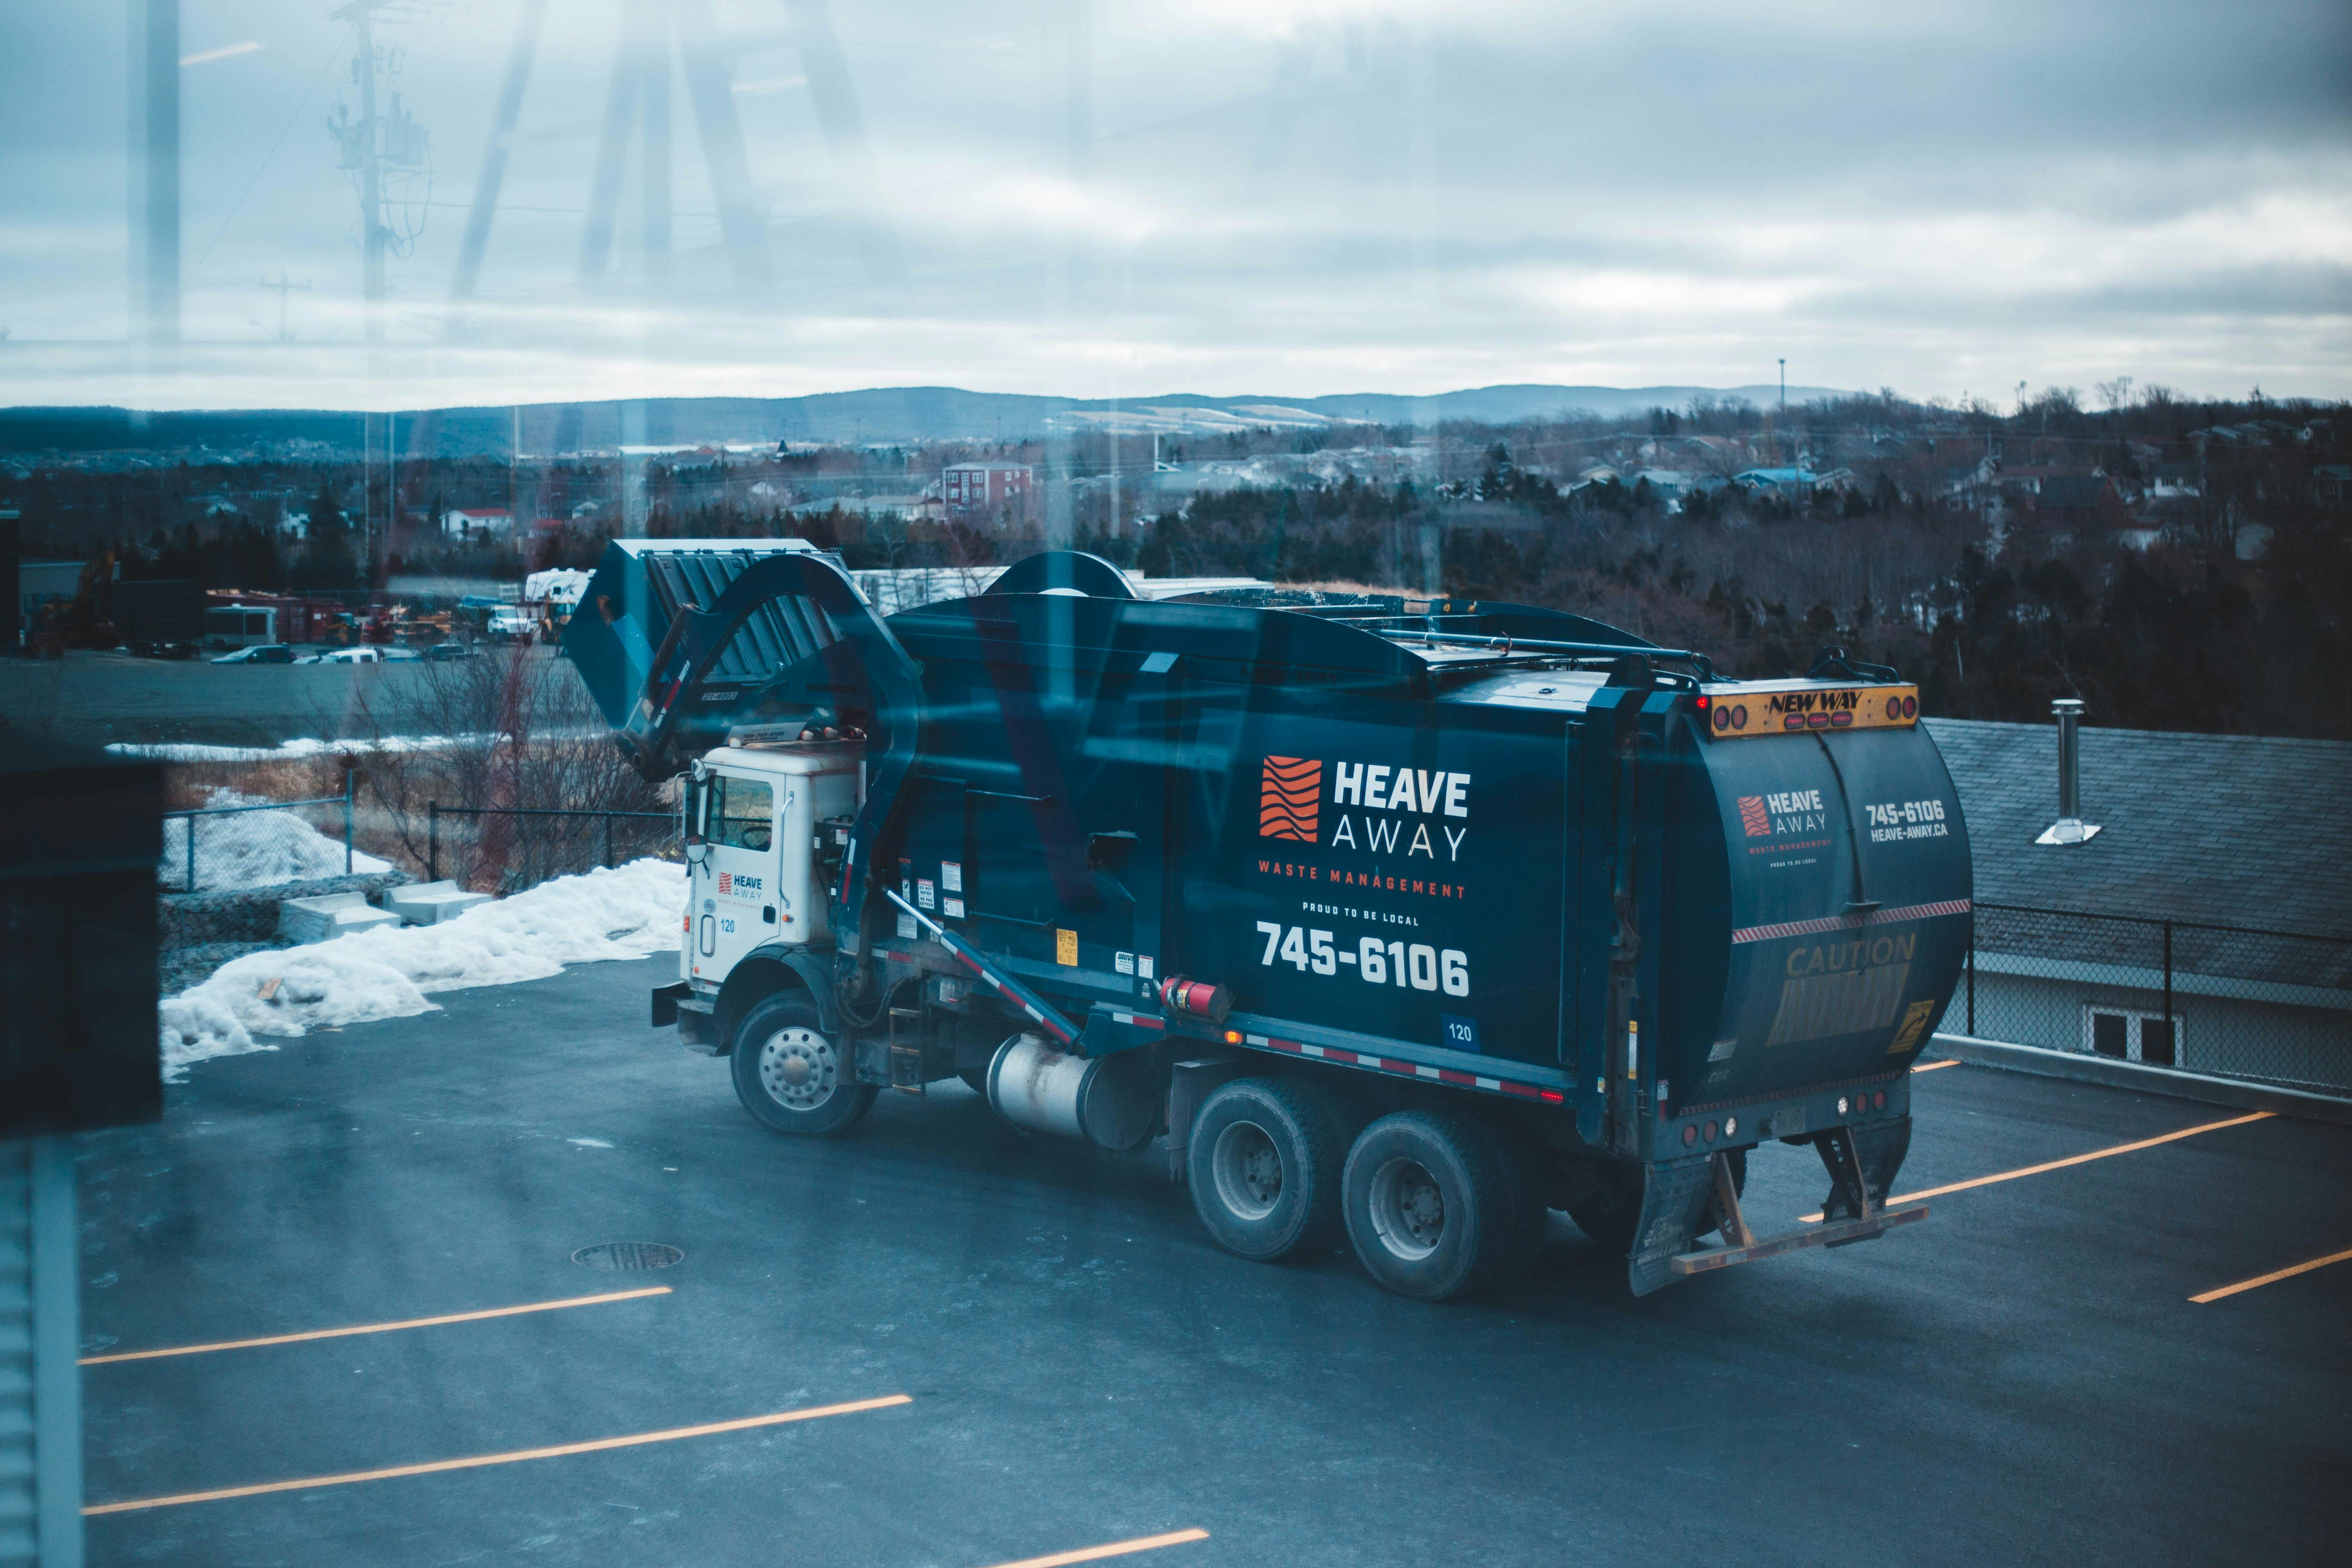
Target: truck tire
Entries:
(1609, 1215)
(1524, 1164)
(1264, 1164)
(791, 1075)
(1428, 1205)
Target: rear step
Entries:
(1835, 1234)
(1742, 1245)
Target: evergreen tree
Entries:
(328, 561)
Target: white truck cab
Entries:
(755, 841)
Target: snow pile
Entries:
(284, 751)
(253, 849)
(628, 912)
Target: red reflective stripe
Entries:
(1408, 1070)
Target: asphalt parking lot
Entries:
(1047, 1354)
(100, 699)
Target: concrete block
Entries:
(330, 915)
(429, 903)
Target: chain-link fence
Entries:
(505, 848)
(238, 841)
(2230, 1001)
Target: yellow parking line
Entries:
(378, 1328)
(1115, 1549)
(2068, 1159)
(1931, 1066)
(2272, 1278)
(476, 1461)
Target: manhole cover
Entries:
(628, 1255)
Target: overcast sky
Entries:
(1122, 197)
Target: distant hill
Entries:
(893, 414)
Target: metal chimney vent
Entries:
(2069, 827)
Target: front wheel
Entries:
(791, 1075)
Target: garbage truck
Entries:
(1410, 919)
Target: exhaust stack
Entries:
(2069, 827)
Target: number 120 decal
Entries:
(1420, 967)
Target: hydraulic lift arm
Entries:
(850, 666)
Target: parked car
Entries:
(261, 653)
(442, 651)
(396, 653)
(354, 656)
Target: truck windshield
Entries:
(743, 813)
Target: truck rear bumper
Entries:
(1835, 1233)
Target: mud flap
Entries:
(1878, 1148)
(1674, 1196)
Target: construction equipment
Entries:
(1418, 917)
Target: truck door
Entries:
(735, 887)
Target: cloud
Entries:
(1289, 198)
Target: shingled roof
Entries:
(2242, 830)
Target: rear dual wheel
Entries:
(1609, 1215)
(1439, 1205)
(1263, 1160)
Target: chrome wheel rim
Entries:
(1248, 1170)
(798, 1068)
(1408, 1210)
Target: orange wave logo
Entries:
(1289, 798)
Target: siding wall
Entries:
(40, 1416)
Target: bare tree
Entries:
(512, 728)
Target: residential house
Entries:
(2176, 517)
(2081, 504)
(977, 492)
(2113, 945)
(1789, 482)
(478, 522)
(2252, 433)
